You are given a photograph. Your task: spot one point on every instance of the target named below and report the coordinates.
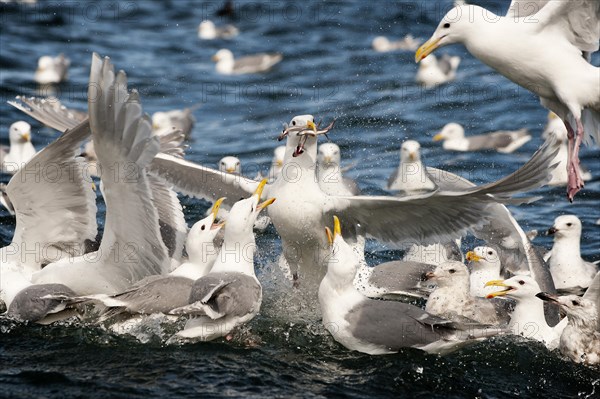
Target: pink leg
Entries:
(575, 182)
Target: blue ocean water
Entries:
(329, 70)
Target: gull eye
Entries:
(575, 303)
(521, 282)
(489, 252)
(237, 163)
(452, 271)
(203, 227)
(252, 209)
(446, 25)
(293, 123)
(569, 224)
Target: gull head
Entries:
(19, 133)
(301, 129)
(410, 151)
(449, 274)
(342, 263)
(243, 213)
(230, 165)
(45, 62)
(580, 311)
(205, 230)
(566, 226)
(207, 30)
(381, 43)
(484, 257)
(450, 131)
(329, 155)
(517, 287)
(453, 28)
(161, 120)
(223, 55)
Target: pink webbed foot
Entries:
(575, 180)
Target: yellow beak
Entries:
(472, 257)
(438, 137)
(427, 48)
(260, 188)
(214, 58)
(497, 283)
(327, 159)
(412, 156)
(552, 115)
(337, 228)
(216, 206)
(329, 236)
(311, 125)
(265, 204)
(26, 136)
(230, 170)
(279, 162)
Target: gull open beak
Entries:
(260, 188)
(26, 136)
(498, 283)
(544, 296)
(216, 206)
(337, 228)
(427, 48)
(265, 204)
(438, 137)
(329, 236)
(472, 257)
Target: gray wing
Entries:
(201, 182)
(439, 215)
(445, 64)
(30, 304)
(491, 141)
(159, 295)
(393, 178)
(399, 277)
(256, 63)
(50, 112)
(173, 228)
(223, 294)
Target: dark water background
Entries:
(329, 70)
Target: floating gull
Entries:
(485, 266)
(580, 340)
(549, 57)
(503, 141)
(557, 129)
(527, 318)
(382, 44)
(433, 72)
(452, 297)
(256, 63)
(411, 176)
(329, 173)
(208, 31)
(380, 327)
(165, 122)
(302, 207)
(131, 247)
(230, 294)
(569, 270)
(20, 151)
(52, 69)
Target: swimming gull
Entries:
(527, 318)
(164, 122)
(549, 58)
(207, 30)
(504, 141)
(485, 266)
(569, 270)
(433, 72)
(131, 247)
(20, 151)
(256, 63)
(329, 172)
(52, 69)
(382, 44)
(580, 340)
(230, 294)
(380, 327)
(452, 297)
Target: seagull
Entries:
(208, 31)
(549, 58)
(329, 172)
(527, 318)
(381, 327)
(131, 247)
(52, 69)
(504, 141)
(557, 129)
(256, 63)
(230, 294)
(580, 340)
(276, 163)
(434, 72)
(485, 266)
(452, 297)
(569, 270)
(230, 164)
(164, 122)
(21, 150)
(382, 44)
(411, 176)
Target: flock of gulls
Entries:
(148, 261)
